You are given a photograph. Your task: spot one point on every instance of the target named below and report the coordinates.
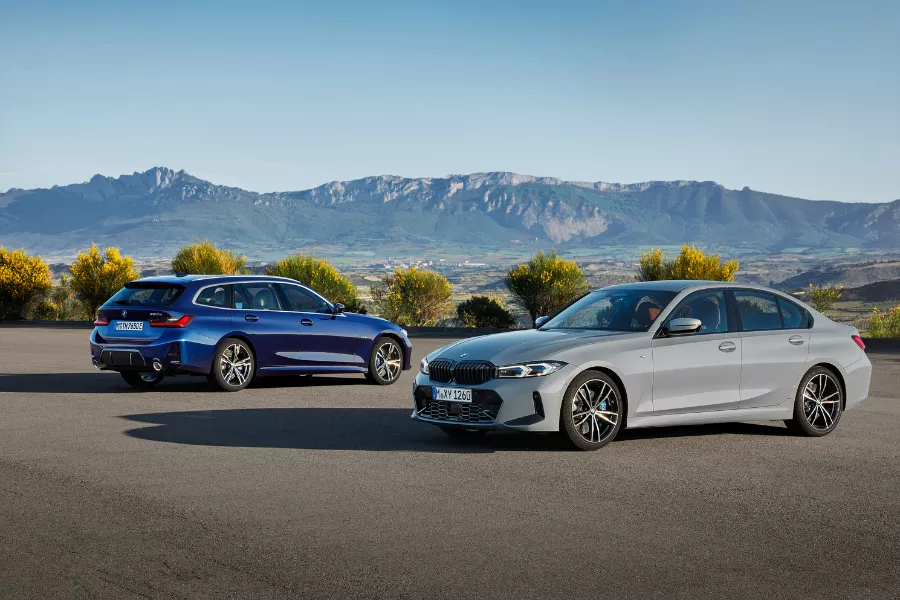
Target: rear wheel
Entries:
(141, 379)
(592, 411)
(819, 404)
(233, 365)
(386, 362)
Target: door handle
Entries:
(727, 347)
(796, 340)
(306, 322)
(251, 318)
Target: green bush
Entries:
(822, 298)
(884, 325)
(319, 275)
(484, 311)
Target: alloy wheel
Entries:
(595, 410)
(236, 365)
(388, 361)
(821, 402)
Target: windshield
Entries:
(613, 310)
(162, 295)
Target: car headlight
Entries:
(535, 369)
(423, 366)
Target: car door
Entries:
(773, 355)
(324, 339)
(700, 371)
(271, 331)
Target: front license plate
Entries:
(451, 394)
(129, 326)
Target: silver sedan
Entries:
(649, 355)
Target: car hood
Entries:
(526, 345)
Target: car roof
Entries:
(212, 279)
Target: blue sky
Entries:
(799, 98)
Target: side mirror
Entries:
(682, 326)
(338, 308)
(540, 321)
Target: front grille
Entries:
(441, 371)
(473, 373)
(464, 373)
(483, 409)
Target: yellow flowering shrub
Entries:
(884, 325)
(822, 298)
(321, 276)
(691, 263)
(97, 276)
(205, 259)
(415, 297)
(545, 284)
(23, 280)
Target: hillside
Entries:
(152, 213)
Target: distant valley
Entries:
(483, 214)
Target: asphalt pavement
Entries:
(323, 488)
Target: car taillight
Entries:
(181, 323)
(101, 322)
(859, 342)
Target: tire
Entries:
(141, 379)
(225, 372)
(386, 362)
(462, 432)
(819, 404)
(588, 429)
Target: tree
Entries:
(97, 277)
(205, 259)
(545, 284)
(412, 297)
(691, 263)
(484, 311)
(23, 280)
(822, 298)
(318, 274)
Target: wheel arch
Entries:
(235, 335)
(837, 373)
(621, 384)
(395, 337)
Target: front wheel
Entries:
(141, 379)
(819, 404)
(233, 365)
(386, 362)
(592, 411)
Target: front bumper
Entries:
(527, 404)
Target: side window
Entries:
(261, 296)
(216, 295)
(299, 299)
(794, 316)
(759, 310)
(709, 307)
(240, 299)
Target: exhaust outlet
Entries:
(157, 366)
(96, 363)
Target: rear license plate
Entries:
(129, 326)
(451, 394)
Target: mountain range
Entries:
(154, 212)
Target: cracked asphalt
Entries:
(323, 488)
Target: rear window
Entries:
(162, 295)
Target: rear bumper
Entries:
(857, 378)
(172, 354)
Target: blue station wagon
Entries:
(234, 328)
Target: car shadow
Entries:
(367, 429)
(111, 383)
